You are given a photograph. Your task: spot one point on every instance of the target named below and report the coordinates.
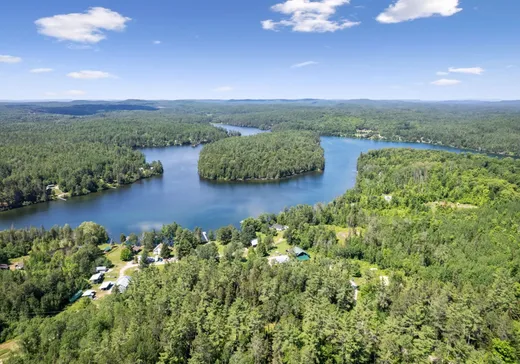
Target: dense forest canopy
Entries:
(263, 156)
(441, 228)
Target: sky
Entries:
(263, 49)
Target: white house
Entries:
(123, 283)
(279, 227)
(157, 249)
(101, 269)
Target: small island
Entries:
(267, 156)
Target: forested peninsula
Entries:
(420, 262)
(44, 158)
(266, 156)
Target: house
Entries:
(19, 266)
(123, 283)
(4, 267)
(204, 238)
(97, 278)
(300, 254)
(101, 269)
(254, 243)
(157, 250)
(279, 259)
(89, 293)
(105, 286)
(136, 249)
(279, 227)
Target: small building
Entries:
(136, 249)
(4, 267)
(254, 243)
(123, 283)
(76, 296)
(101, 269)
(97, 278)
(108, 249)
(19, 266)
(157, 249)
(279, 227)
(105, 286)
(89, 293)
(280, 259)
(300, 254)
(204, 238)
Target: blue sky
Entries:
(198, 49)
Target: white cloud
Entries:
(9, 59)
(309, 16)
(75, 92)
(156, 42)
(82, 27)
(471, 70)
(41, 70)
(404, 10)
(445, 82)
(442, 73)
(304, 64)
(223, 89)
(90, 75)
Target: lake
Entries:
(181, 196)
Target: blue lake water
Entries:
(181, 196)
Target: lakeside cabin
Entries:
(300, 254)
(97, 278)
(279, 227)
(157, 249)
(123, 283)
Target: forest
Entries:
(433, 245)
(265, 156)
(41, 159)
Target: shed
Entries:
(89, 293)
(300, 254)
(101, 269)
(97, 278)
(106, 285)
(76, 296)
(254, 242)
(123, 283)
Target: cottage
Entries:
(101, 269)
(105, 286)
(279, 259)
(157, 250)
(254, 243)
(97, 278)
(300, 254)
(123, 283)
(279, 227)
(89, 293)
(4, 267)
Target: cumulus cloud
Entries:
(471, 70)
(41, 70)
(9, 59)
(85, 27)
(304, 64)
(75, 92)
(309, 16)
(90, 75)
(223, 89)
(404, 10)
(445, 82)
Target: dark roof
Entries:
(76, 296)
(4, 266)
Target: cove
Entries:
(181, 196)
